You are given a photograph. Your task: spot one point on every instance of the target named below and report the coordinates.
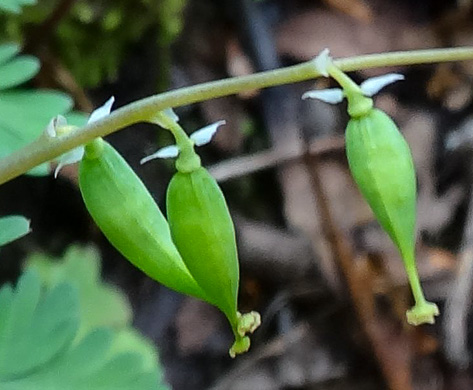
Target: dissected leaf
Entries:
(25, 114)
(39, 344)
(12, 228)
(90, 365)
(130, 340)
(100, 304)
(35, 326)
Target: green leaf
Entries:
(24, 115)
(34, 326)
(101, 304)
(8, 51)
(14, 6)
(12, 228)
(130, 340)
(90, 365)
(40, 348)
(17, 71)
(76, 118)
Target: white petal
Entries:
(332, 95)
(205, 134)
(71, 157)
(167, 152)
(102, 111)
(54, 123)
(373, 85)
(322, 61)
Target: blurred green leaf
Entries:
(130, 340)
(90, 365)
(8, 51)
(35, 326)
(24, 114)
(13, 227)
(76, 118)
(23, 117)
(101, 304)
(39, 343)
(17, 71)
(14, 6)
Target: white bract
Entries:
(322, 62)
(58, 126)
(373, 85)
(205, 134)
(331, 95)
(369, 87)
(200, 137)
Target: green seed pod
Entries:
(129, 217)
(202, 229)
(381, 164)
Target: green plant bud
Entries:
(381, 164)
(202, 229)
(129, 217)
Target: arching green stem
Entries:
(43, 150)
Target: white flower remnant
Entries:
(58, 126)
(369, 87)
(200, 137)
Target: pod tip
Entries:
(247, 323)
(422, 313)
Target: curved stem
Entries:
(43, 149)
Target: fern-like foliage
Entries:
(49, 341)
(24, 113)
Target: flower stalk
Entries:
(43, 150)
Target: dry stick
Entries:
(396, 372)
(236, 167)
(46, 149)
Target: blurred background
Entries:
(327, 281)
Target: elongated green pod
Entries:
(129, 217)
(202, 229)
(381, 164)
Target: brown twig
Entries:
(245, 165)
